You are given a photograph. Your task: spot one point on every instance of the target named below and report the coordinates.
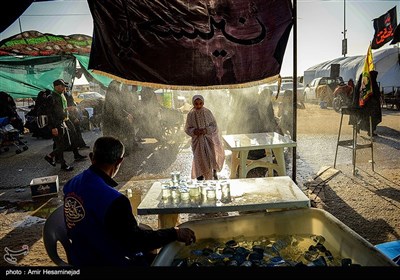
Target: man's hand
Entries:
(185, 235)
(200, 131)
(54, 132)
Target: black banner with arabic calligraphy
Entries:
(384, 28)
(189, 44)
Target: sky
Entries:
(320, 26)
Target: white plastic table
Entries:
(241, 144)
(249, 194)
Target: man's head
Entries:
(108, 152)
(60, 85)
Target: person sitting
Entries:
(99, 219)
(8, 109)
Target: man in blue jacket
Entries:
(99, 219)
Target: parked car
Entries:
(312, 92)
(89, 95)
(287, 86)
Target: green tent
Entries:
(31, 61)
(103, 81)
(24, 77)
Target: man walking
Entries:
(62, 129)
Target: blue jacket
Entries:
(101, 225)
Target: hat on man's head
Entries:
(60, 82)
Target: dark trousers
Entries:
(66, 138)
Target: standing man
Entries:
(74, 115)
(99, 219)
(62, 129)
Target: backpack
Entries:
(42, 105)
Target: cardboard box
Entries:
(44, 186)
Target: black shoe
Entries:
(84, 147)
(50, 160)
(67, 167)
(373, 134)
(79, 157)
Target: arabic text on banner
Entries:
(384, 28)
(190, 44)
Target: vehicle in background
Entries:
(391, 97)
(321, 89)
(342, 96)
(89, 95)
(308, 76)
(287, 86)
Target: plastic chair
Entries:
(55, 232)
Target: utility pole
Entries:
(344, 41)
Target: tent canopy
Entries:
(31, 61)
(25, 76)
(386, 62)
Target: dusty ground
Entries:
(369, 202)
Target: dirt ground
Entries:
(368, 202)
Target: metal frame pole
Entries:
(294, 136)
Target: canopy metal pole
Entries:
(294, 136)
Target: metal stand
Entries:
(352, 143)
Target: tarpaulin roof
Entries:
(183, 44)
(31, 61)
(24, 77)
(386, 63)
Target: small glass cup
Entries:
(175, 192)
(225, 191)
(184, 194)
(176, 200)
(237, 142)
(175, 176)
(194, 190)
(203, 190)
(211, 193)
(165, 191)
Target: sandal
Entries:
(50, 160)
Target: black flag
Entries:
(396, 35)
(384, 28)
